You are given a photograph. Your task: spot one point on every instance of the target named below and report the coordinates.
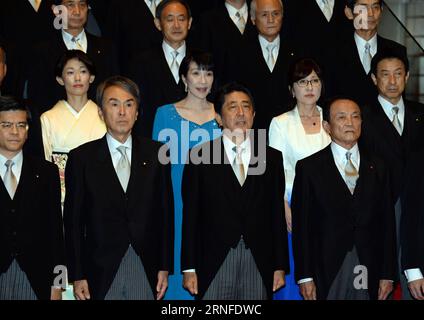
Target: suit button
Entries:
(12, 210)
(14, 233)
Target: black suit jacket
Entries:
(269, 89)
(101, 220)
(31, 229)
(217, 211)
(157, 85)
(412, 220)
(21, 27)
(43, 89)
(216, 33)
(381, 138)
(328, 221)
(347, 75)
(131, 27)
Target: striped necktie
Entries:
(9, 179)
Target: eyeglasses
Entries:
(304, 83)
(20, 126)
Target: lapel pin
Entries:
(144, 163)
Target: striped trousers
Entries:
(238, 278)
(130, 282)
(14, 284)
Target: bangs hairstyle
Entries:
(10, 103)
(203, 60)
(351, 3)
(74, 54)
(226, 90)
(162, 5)
(302, 68)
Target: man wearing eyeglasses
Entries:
(31, 237)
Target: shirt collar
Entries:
(167, 49)
(339, 153)
(229, 145)
(264, 42)
(232, 11)
(387, 107)
(17, 167)
(68, 37)
(113, 144)
(360, 43)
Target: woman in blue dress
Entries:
(182, 125)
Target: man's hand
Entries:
(81, 291)
(386, 286)
(190, 282)
(162, 284)
(308, 290)
(288, 214)
(279, 280)
(56, 294)
(417, 289)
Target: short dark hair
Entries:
(74, 54)
(59, 2)
(119, 81)
(202, 58)
(10, 103)
(351, 3)
(227, 89)
(164, 3)
(388, 54)
(329, 102)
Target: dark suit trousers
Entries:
(14, 284)
(238, 278)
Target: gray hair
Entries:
(253, 8)
(121, 82)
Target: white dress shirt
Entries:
(70, 45)
(233, 11)
(322, 7)
(113, 144)
(388, 106)
(16, 168)
(360, 45)
(168, 50)
(339, 155)
(264, 43)
(148, 2)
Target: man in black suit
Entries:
(344, 239)
(262, 65)
(118, 207)
(22, 24)
(350, 69)
(234, 242)
(156, 70)
(43, 91)
(131, 27)
(393, 126)
(31, 230)
(412, 226)
(223, 31)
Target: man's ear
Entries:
(157, 24)
(189, 23)
(253, 19)
(406, 77)
(374, 78)
(326, 127)
(60, 81)
(100, 111)
(348, 13)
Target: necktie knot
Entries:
(122, 150)
(348, 155)
(395, 110)
(241, 23)
(9, 164)
(367, 46)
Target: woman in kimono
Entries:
(74, 121)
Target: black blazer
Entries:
(328, 221)
(21, 27)
(31, 229)
(347, 75)
(130, 25)
(157, 85)
(412, 220)
(381, 138)
(269, 89)
(101, 220)
(216, 33)
(217, 211)
(43, 89)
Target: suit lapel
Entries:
(140, 162)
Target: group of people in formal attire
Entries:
(229, 150)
